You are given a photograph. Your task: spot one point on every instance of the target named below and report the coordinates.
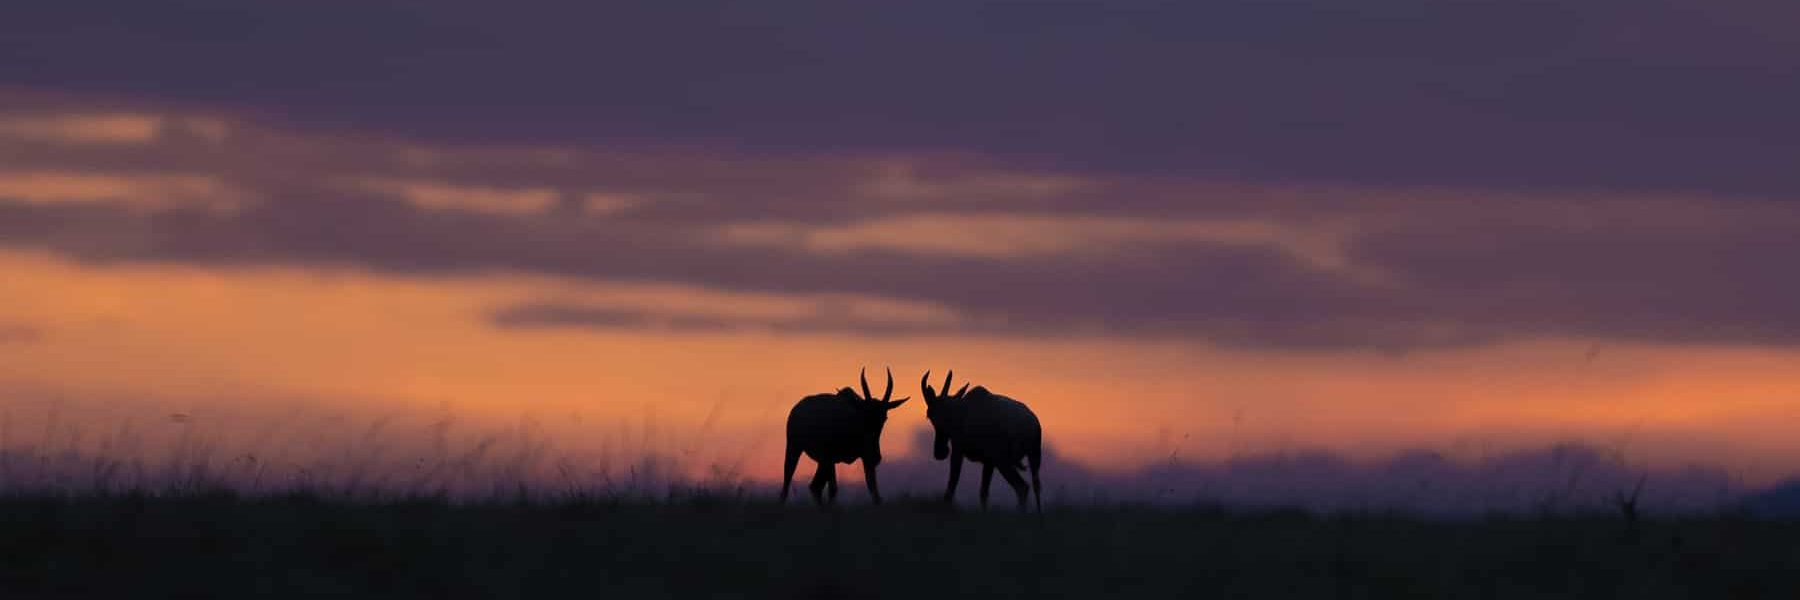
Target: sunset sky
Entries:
(1202, 228)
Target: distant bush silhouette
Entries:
(1780, 501)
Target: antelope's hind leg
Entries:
(1037, 486)
(987, 477)
(787, 471)
(1011, 473)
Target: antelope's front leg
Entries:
(869, 478)
(956, 460)
(820, 480)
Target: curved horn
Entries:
(947, 376)
(890, 386)
(864, 375)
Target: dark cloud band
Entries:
(1606, 94)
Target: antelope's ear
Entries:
(896, 404)
(962, 392)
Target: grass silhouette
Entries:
(219, 544)
(486, 514)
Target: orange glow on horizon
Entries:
(177, 338)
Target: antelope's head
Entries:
(937, 410)
(873, 412)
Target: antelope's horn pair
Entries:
(886, 394)
(925, 382)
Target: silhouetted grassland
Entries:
(323, 508)
(223, 545)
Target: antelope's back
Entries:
(822, 421)
(999, 429)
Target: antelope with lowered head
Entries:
(999, 432)
(838, 428)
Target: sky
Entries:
(1194, 229)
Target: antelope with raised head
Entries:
(838, 428)
(998, 432)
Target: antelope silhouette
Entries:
(838, 428)
(999, 432)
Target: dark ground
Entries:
(224, 546)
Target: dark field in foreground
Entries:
(223, 546)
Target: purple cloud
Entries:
(1612, 94)
(1443, 275)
